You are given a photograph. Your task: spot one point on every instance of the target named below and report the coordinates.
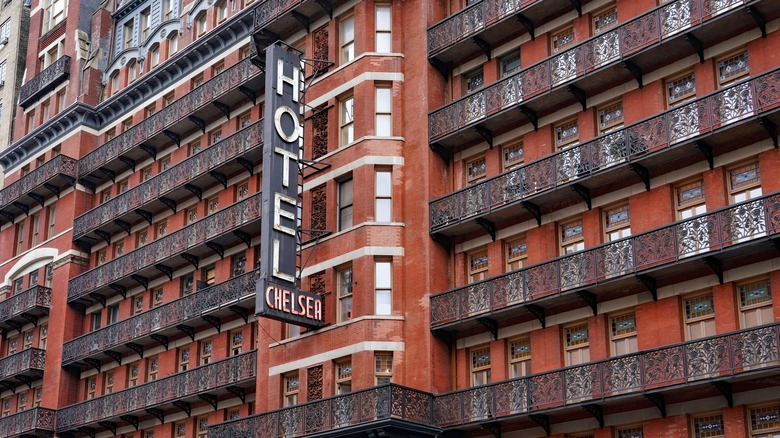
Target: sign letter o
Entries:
(278, 124)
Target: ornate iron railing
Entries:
(593, 54)
(364, 406)
(167, 315)
(270, 10)
(28, 422)
(25, 301)
(231, 78)
(669, 129)
(220, 374)
(46, 79)
(175, 177)
(715, 357)
(166, 247)
(59, 165)
(713, 231)
(29, 359)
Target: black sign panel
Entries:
(277, 294)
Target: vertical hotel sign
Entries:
(278, 296)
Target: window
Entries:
(122, 186)
(173, 44)
(291, 387)
(200, 24)
(105, 196)
(13, 344)
(480, 366)
(213, 205)
(699, 317)
(187, 282)
(108, 383)
(519, 357)
(347, 38)
(383, 367)
(610, 117)
(764, 421)
(512, 155)
(138, 304)
(183, 358)
(128, 34)
(477, 265)
(509, 64)
(222, 10)
(755, 303)
(132, 374)
(5, 31)
(476, 169)
(167, 10)
(192, 215)
(629, 432)
(617, 223)
(157, 296)
(33, 278)
(576, 344)
(347, 121)
(561, 40)
(196, 81)
(208, 275)
(605, 19)
(194, 147)
(19, 237)
(384, 196)
(43, 335)
(516, 253)
(6, 407)
(384, 107)
(54, 13)
(161, 229)
(744, 182)
(680, 89)
(30, 126)
(150, 110)
(154, 56)
(690, 199)
(113, 313)
(127, 124)
(36, 225)
(345, 294)
(141, 238)
(27, 338)
(474, 80)
(708, 426)
(236, 342)
(119, 249)
(146, 174)
(95, 320)
(345, 204)
(623, 334)
(244, 120)
(91, 388)
(732, 68)
(145, 24)
(343, 376)
(571, 237)
(60, 101)
(384, 25)
(383, 285)
(180, 430)
(239, 264)
(205, 351)
(2, 73)
(152, 367)
(202, 423)
(215, 136)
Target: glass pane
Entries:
(383, 275)
(384, 100)
(383, 18)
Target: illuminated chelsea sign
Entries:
(278, 296)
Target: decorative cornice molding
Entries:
(81, 261)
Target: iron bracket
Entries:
(100, 298)
(220, 177)
(486, 134)
(659, 401)
(488, 225)
(162, 339)
(110, 425)
(222, 107)
(37, 198)
(184, 406)
(650, 283)
(128, 161)
(94, 363)
(642, 172)
(15, 324)
(140, 279)
(579, 94)
(151, 150)
(200, 123)
(210, 399)
(537, 311)
(584, 193)
(144, 214)
(706, 150)
(118, 288)
(156, 413)
(534, 210)
(442, 67)
(187, 330)
(30, 318)
(590, 299)
(217, 248)
(131, 419)
(195, 190)
(326, 6)
(22, 206)
(770, 127)
(8, 385)
(697, 45)
(8, 216)
(445, 336)
(528, 24)
(26, 380)
(304, 20)
(174, 136)
(137, 348)
(246, 91)
(54, 189)
(115, 356)
(596, 411)
(543, 421)
(494, 428)
(483, 45)
(192, 259)
(213, 320)
(168, 202)
(441, 151)
(491, 325)
(577, 5)
(86, 183)
(635, 71)
(240, 311)
(758, 17)
(246, 164)
(167, 270)
(88, 430)
(724, 388)
(238, 392)
(716, 266)
(531, 115)
(443, 240)
(124, 225)
(109, 173)
(245, 237)
(104, 235)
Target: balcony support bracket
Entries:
(167, 270)
(635, 71)
(304, 20)
(579, 94)
(115, 355)
(220, 177)
(37, 198)
(110, 425)
(758, 17)
(238, 392)
(195, 190)
(8, 385)
(214, 321)
(531, 115)
(528, 24)
(151, 150)
(100, 298)
(493, 428)
(489, 226)
(543, 421)
(442, 67)
(184, 406)
(87, 430)
(246, 91)
(534, 210)
(140, 279)
(7, 216)
(197, 121)
(245, 237)
(642, 172)
(246, 164)
(124, 225)
(584, 193)
(30, 318)
(168, 202)
(716, 266)
(162, 339)
(485, 133)
(590, 299)
(137, 348)
(144, 214)
(157, 413)
(771, 128)
(491, 325)
(175, 137)
(26, 380)
(109, 173)
(326, 6)
(538, 312)
(649, 282)
(85, 182)
(15, 324)
(187, 330)
(240, 311)
(596, 411)
(130, 419)
(192, 259)
(706, 150)
(446, 336)
(217, 248)
(222, 107)
(659, 401)
(441, 151)
(94, 363)
(210, 399)
(724, 388)
(104, 235)
(22, 206)
(119, 288)
(54, 189)
(483, 45)
(128, 161)
(578, 6)
(443, 240)
(697, 45)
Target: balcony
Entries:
(158, 325)
(486, 23)
(35, 422)
(726, 119)
(45, 81)
(192, 111)
(732, 362)
(354, 414)
(233, 224)
(276, 19)
(641, 45)
(234, 375)
(24, 307)
(714, 242)
(49, 178)
(220, 161)
(23, 367)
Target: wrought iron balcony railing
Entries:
(632, 37)
(167, 181)
(32, 422)
(334, 413)
(230, 374)
(25, 307)
(23, 366)
(44, 81)
(714, 358)
(182, 242)
(50, 177)
(167, 316)
(704, 234)
(232, 78)
(670, 129)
